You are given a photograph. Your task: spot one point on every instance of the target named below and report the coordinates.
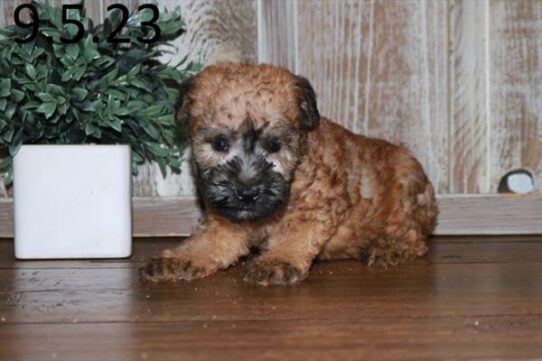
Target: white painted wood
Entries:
(469, 97)
(277, 37)
(516, 89)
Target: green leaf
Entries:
(153, 110)
(140, 84)
(10, 110)
(135, 105)
(62, 108)
(115, 124)
(47, 109)
(80, 93)
(78, 73)
(135, 70)
(67, 75)
(152, 131)
(16, 142)
(72, 51)
(46, 98)
(30, 71)
(89, 49)
(3, 103)
(157, 150)
(5, 87)
(90, 128)
(166, 119)
(8, 135)
(17, 95)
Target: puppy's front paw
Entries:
(273, 272)
(170, 269)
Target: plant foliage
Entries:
(91, 92)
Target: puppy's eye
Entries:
(273, 145)
(220, 144)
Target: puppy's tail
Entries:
(225, 55)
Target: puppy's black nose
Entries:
(248, 194)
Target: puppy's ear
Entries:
(309, 108)
(183, 116)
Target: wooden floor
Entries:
(471, 298)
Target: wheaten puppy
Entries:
(277, 177)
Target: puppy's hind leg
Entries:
(217, 245)
(412, 218)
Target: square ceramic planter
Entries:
(72, 201)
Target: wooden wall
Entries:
(457, 81)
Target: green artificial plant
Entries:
(93, 91)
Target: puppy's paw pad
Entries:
(266, 273)
(170, 269)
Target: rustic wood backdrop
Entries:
(458, 82)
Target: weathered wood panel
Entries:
(277, 33)
(459, 82)
(333, 52)
(459, 215)
(380, 68)
(515, 131)
(468, 97)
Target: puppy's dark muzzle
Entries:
(248, 194)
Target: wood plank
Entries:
(490, 214)
(343, 311)
(334, 40)
(449, 250)
(459, 215)
(403, 86)
(412, 339)
(469, 97)
(516, 89)
(379, 68)
(277, 33)
(332, 291)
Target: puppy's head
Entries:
(247, 126)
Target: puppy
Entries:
(275, 176)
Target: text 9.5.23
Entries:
(113, 37)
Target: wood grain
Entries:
(416, 291)
(469, 97)
(442, 250)
(490, 214)
(474, 298)
(380, 68)
(516, 89)
(401, 104)
(334, 40)
(504, 337)
(457, 81)
(277, 33)
(459, 215)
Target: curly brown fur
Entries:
(275, 175)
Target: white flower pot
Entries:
(72, 201)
